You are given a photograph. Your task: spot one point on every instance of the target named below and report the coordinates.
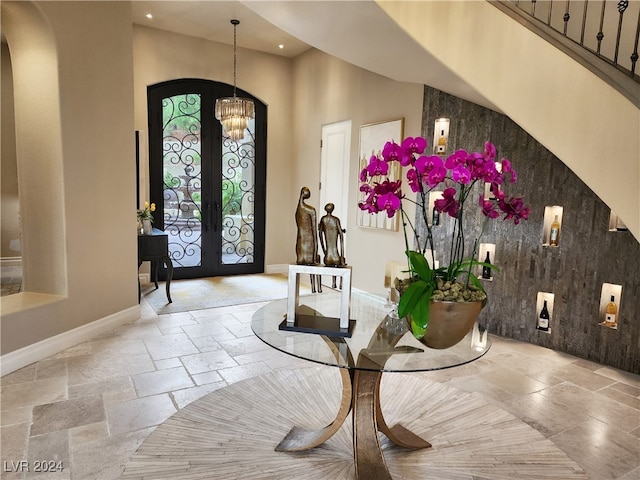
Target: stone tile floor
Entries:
(87, 409)
(10, 280)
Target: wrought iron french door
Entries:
(209, 190)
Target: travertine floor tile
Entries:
(170, 346)
(207, 361)
(15, 442)
(33, 393)
(162, 381)
(25, 374)
(582, 377)
(66, 414)
(242, 372)
(90, 368)
(609, 412)
(105, 460)
(505, 379)
(545, 414)
(53, 449)
(604, 451)
(133, 415)
(184, 397)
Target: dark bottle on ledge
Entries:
(486, 271)
(543, 320)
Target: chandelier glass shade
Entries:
(234, 113)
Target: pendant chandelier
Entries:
(234, 112)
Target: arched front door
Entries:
(209, 190)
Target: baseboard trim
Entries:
(22, 357)
(277, 268)
(6, 262)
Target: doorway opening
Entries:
(209, 190)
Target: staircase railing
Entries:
(601, 34)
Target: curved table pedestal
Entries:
(361, 395)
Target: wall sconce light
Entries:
(441, 136)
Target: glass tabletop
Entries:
(380, 341)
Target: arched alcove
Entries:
(38, 146)
(11, 244)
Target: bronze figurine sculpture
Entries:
(307, 238)
(331, 238)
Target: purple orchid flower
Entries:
(489, 151)
(389, 202)
(377, 166)
(459, 157)
(507, 168)
(411, 146)
(488, 208)
(461, 174)
(448, 202)
(437, 175)
(514, 208)
(392, 152)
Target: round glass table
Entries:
(379, 342)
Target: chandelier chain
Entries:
(235, 24)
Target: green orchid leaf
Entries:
(416, 329)
(419, 265)
(440, 272)
(420, 314)
(490, 265)
(410, 297)
(470, 263)
(475, 281)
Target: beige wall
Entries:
(72, 65)
(329, 90)
(569, 110)
(160, 56)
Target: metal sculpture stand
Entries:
(343, 324)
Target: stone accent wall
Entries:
(588, 254)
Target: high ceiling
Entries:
(211, 20)
(357, 31)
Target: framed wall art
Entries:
(372, 139)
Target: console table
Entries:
(154, 248)
(380, 343)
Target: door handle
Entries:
(207, 217)
(215, 216)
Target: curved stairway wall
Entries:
(581, 119)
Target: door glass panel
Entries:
(238, 199)
(181, 161)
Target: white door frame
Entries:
(334, 171)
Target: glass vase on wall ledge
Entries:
(146, 227)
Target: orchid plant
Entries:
(455, 176)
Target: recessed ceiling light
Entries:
(149, 16)
(281, 46)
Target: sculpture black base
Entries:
(319, 325)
